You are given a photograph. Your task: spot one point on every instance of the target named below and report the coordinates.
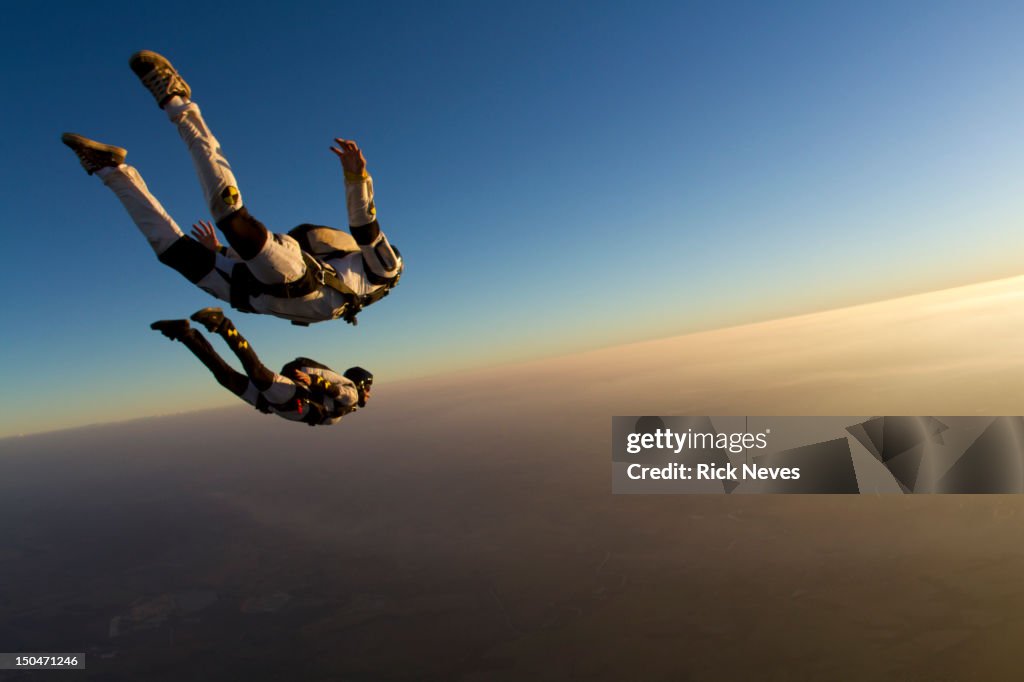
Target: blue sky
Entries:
(558, 176)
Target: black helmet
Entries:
(363, 379)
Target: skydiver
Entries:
(304, 390)
(312, 274)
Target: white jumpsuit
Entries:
(280, 260)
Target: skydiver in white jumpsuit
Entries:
(265, 272)
(304, 390)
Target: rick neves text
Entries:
(710, 472)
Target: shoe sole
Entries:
(75, 141)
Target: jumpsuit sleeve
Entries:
(381, 261)
(348, 396)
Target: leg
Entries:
(146, 212)
(261, 376)
(275, 388)
(227, 377)
(215, 321)
(271, 258)
(214, 171)
(178, 330)
(173, 248)
(279, 391)
(209, 271)
(173, 95)
(276, 398)
(272, 263)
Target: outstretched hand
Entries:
(352, 159)
(204, 233)
(301, 377)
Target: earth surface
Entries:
(464, 528)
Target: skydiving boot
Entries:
(211, 318)
(94, 155)
(175, 330)
(159, 76)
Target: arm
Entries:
(381, 260)
(332, 408)
(346, 402)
